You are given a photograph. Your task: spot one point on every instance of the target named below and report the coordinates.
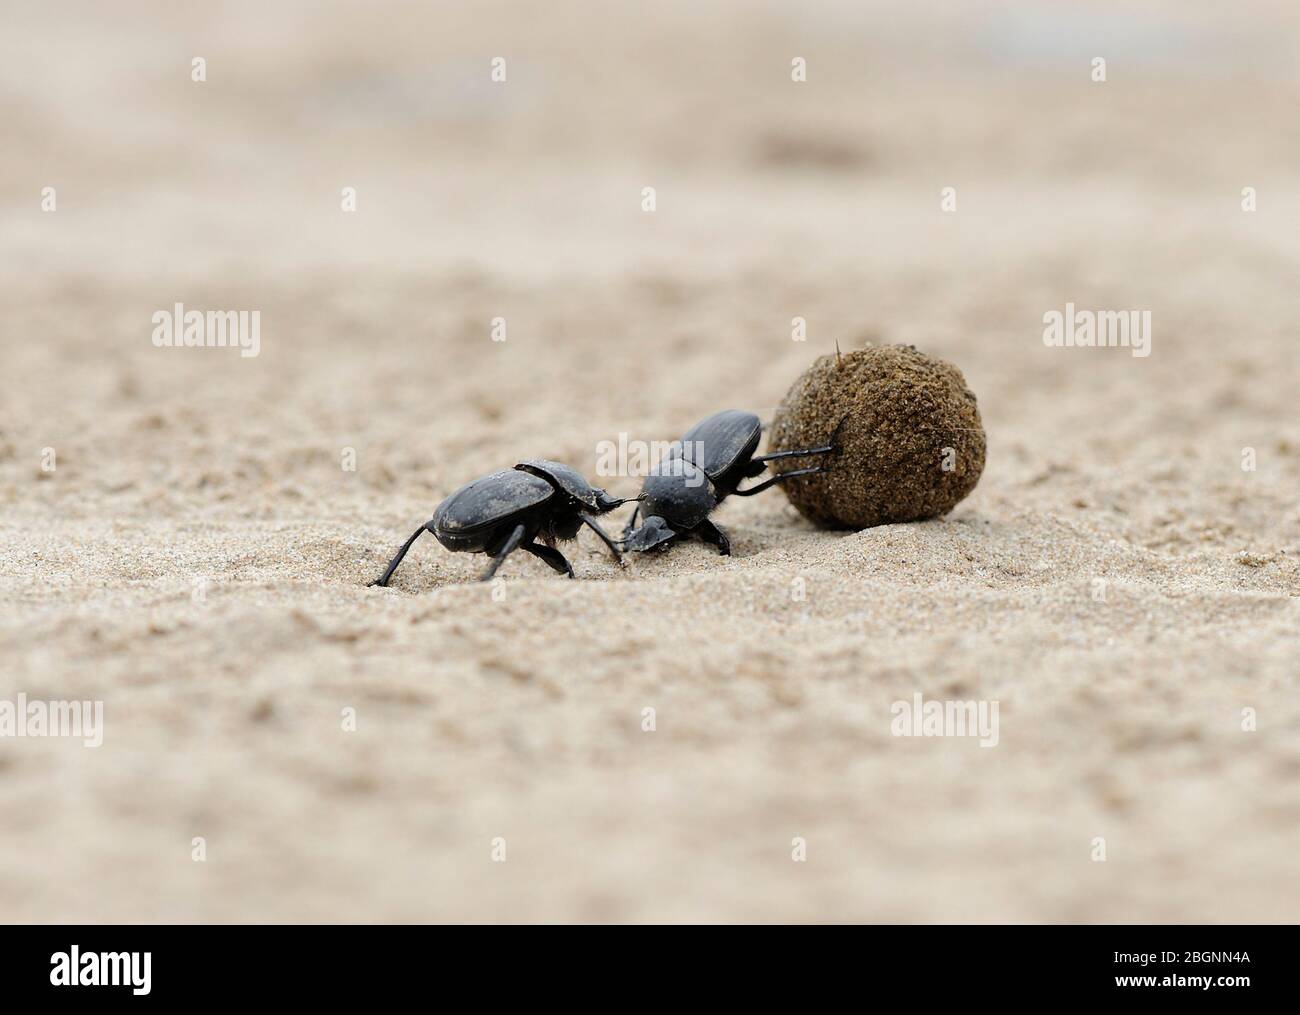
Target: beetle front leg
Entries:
(627, 529)
(507, 548)
(592, 524)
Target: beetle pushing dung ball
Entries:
(704, 468)
(881, 434)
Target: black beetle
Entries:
(700, 472)
(507, 510)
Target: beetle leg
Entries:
(627, 529)
(592, 524)
(382, 581)
(777, 455)
(507, 548)
(833, 446)
(551, 555)
(785, 475)
(710, 533)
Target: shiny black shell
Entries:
(678, 492)
(487, 502)
(720, 442)
(566, 478)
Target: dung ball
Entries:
(908, 430)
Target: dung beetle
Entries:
(505, 511)
(702, 470)
(677, 499)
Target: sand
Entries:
(197, 560)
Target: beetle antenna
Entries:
(839, 361)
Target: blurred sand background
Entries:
(521, 717)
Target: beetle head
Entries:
(654, 531)
(603, 502)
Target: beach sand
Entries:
(197, 558)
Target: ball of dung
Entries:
(910, 440)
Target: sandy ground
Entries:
(197, 559)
